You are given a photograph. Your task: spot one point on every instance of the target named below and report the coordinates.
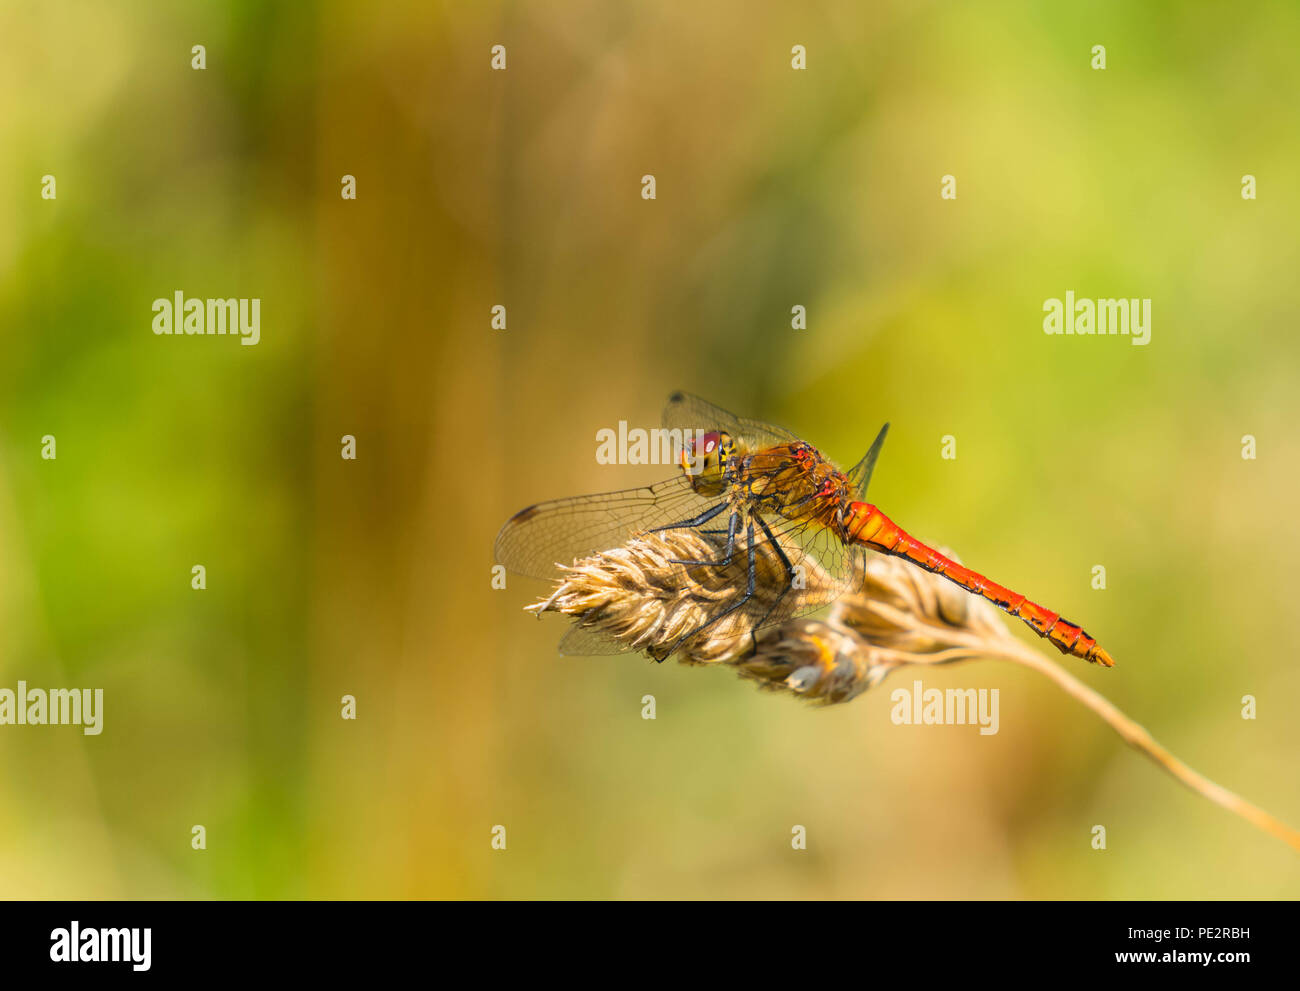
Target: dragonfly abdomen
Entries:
(867, 525)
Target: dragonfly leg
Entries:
(698, 521)
(732, 525)
(789, 581)
(751, 583)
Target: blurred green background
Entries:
(775, 187)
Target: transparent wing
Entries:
(582, 641)
(860, 474)
(686, 412)
(536, 539)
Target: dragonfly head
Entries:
(704, 459)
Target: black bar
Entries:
(870, 941)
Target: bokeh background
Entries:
(775, 187)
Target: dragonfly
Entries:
(772, 505)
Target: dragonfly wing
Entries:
(583, 641)
(686, 412)
(825, 567)
(860, 474)
(538, 538)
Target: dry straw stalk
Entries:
(634, 596)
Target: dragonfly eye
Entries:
(706, 444)
(702, 458)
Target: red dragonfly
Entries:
(754, 490)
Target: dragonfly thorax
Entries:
(793, 481)
(811, 488)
